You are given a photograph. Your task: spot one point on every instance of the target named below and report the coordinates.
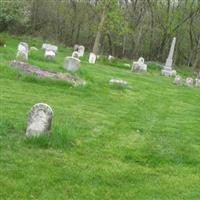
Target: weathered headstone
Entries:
(49, 54)
(22, 52)
(118, 82)
(50, 47)
(189, 82)
(178, 80)
(81, 50)
(168, 71)
(39, 122)
(139, 65)
(71, 64)
(75, 54)
(92, 58)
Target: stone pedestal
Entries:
(168, 72)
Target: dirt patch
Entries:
(31, 69)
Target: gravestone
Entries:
(50, 47)
(139, 66)
(168, 71)
(81, 50)
(189, 82)
(118, 82)
(178, 80)
(22, 52)
(197, 82)
(75, 54)
(71, 64)
(111, 57)
(92, 58)
(49, 54)
(39, 122)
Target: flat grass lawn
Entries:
(106, 143)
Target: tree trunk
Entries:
(98, 35)
(197, 58)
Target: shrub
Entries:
(2, 42)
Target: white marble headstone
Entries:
(81, 50)
(49, 47)
(22, 52)
(75, 54)
(92, 58)
(49, 54)
(139, 65)
(39, 121)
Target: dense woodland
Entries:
(122, 28)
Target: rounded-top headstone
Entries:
(81, 50)
(75, 54)
(39, 122)
(22, 52)
(141, 60)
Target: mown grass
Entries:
(139, 143)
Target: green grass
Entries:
(140, 143)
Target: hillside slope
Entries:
(139, 143)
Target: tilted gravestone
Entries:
(71, 64)
(139, 65)
(39, 122)
(92, 58)
(22, 52)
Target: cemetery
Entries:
(79, 122)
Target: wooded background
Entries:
(122, 28)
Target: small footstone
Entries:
(189, 82)
(178, 80)
(118, 82)
(39, 122)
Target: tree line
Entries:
(122, 28)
